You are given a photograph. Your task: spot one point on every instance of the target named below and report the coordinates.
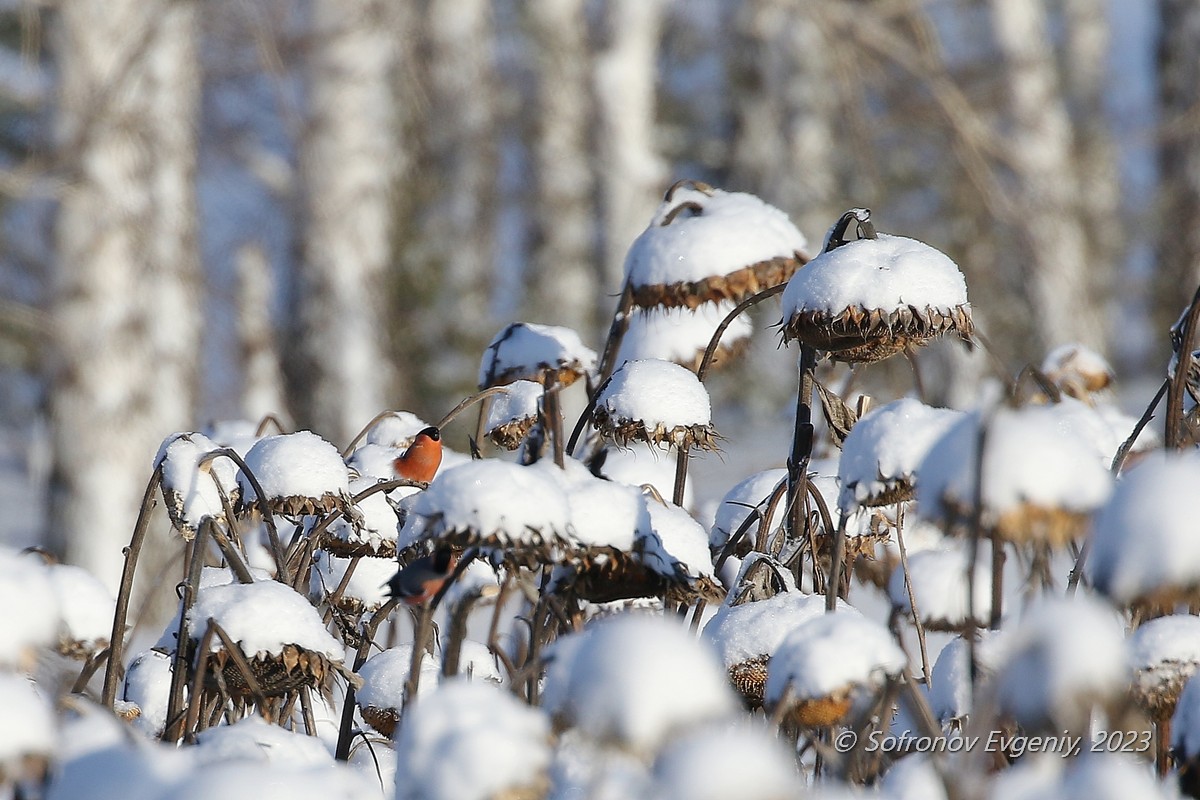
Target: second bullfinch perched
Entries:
(423, 578)
(421, 460)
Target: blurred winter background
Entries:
(325, 208)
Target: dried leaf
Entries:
(838, 415)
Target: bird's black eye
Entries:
(432, 433)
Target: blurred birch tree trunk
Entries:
(126, 291)
(632, 176)
(352, 157)
(1067, 305)
(564, 281)
(785, 141)
(1178, 245)
(455, 221)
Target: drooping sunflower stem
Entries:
(802, 442)
(112, 671)
(1187, 344)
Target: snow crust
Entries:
(491, 496)
(519, 402)
(734, 230)
(829, 653)
(749, 630)
(656, 392)
(674, 539)
(526, 348)
(377, 523)
(262, 617)
(886, 446)
(469, 741)
(253, 738)
(1165, 652)
(86, 604)
(27, 725)
(298, 464)
(148, 684)
(26, 585)
(939, 583)
(635, 680)
(1062, 653)
(738, 502)
(1029, 457)
(1147, 537)
(679, 334)
(887, 274)
(719, 763)
(196, 496)
(385, 673)
(368, 584)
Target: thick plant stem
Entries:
(681, 469)
(802, 441)
(342, 752)
(1174, 430)
(836, 558)
(115, 666)
(179, 667)
(202, 655)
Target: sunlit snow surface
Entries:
(192, 491)
(753, 629)
(656, 392)
(262, 617)
(830, 653)
(938, 579)
(1061, 657)
(733, 230)
(495, 497)
(298, 464)
(25, 585)
(636, 680)
(679, 334)
(1147, 538)
(887, 274)
(744, 497)
(27, 726)
(745, 761)
(470, 741)
(525, 349)
(886, 447)
(1030, 456)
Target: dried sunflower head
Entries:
(526, 351)
(191, 492)
(656, 402)
(867, 299)
(706, 245)
(300, 474)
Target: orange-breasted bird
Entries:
(424, 577)
(421, 460)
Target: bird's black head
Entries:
(432, 432)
